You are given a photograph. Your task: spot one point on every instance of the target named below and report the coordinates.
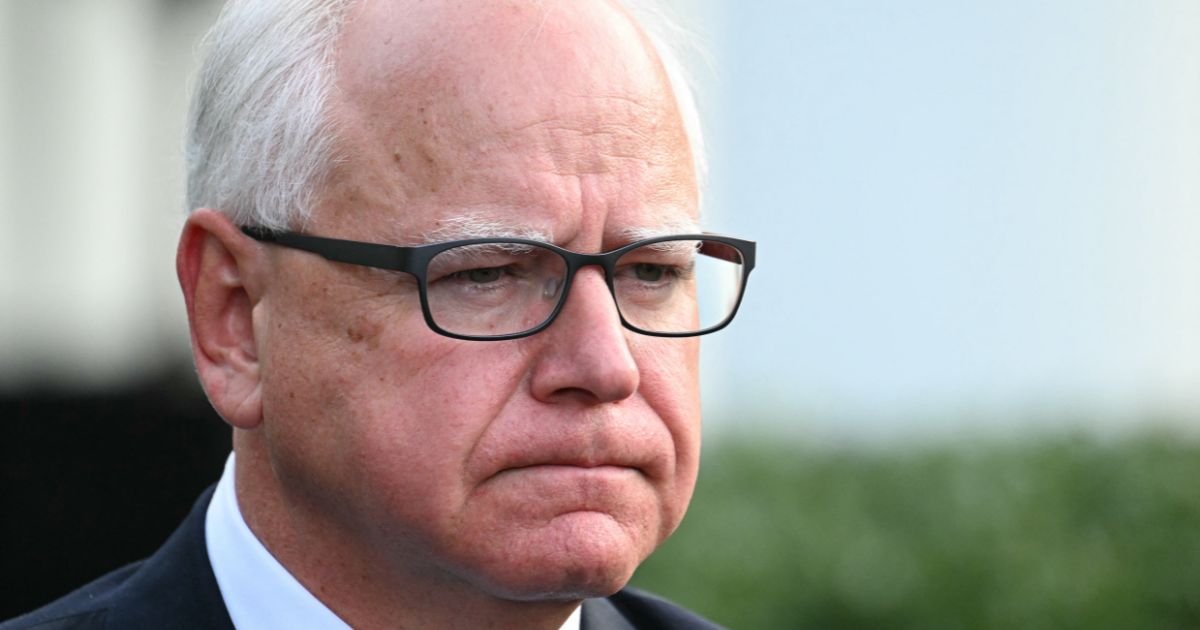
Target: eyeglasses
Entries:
(505, 288)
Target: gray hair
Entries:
(261, 139)
(674, 44)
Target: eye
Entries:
(481, 275)
(647, 272)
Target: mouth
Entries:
(571, 468)
(575, 451)
(541, 488)
(558, 488)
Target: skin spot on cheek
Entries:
(425, 155)
(365, 330)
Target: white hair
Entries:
(261, 137)
(675, 45)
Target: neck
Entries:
(366, 582)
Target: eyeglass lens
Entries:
(676, 286)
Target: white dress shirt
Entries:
(259, 593)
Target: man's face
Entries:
(548, 466)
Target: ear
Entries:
(220, 271)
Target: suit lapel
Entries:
(600, 614)
(174, 588)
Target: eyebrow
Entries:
(471, 226)
(470, 253)
(631, 234)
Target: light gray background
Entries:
(972, 217)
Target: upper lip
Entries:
(581, 458)
(574, 463)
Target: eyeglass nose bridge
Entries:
(576, 262)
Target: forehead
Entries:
(507, 109)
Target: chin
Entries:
(563, 584)
(586, 554)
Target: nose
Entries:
(584, 354)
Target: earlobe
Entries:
(217, 266)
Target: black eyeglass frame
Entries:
(415, 260)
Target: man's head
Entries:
(536, 469)
(261, 139)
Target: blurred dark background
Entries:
(90, 482)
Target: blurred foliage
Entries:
(1069, 532)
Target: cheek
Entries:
(670, 385)
(670, 379)
(377, 409)
(408, 439)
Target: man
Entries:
(444, 415)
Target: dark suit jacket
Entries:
(175, 588)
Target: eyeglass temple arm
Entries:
(391, 257)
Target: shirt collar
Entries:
(258, 592)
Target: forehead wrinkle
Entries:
(594, 134)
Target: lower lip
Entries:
(547, 490)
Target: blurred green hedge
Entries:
(1069, 532)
